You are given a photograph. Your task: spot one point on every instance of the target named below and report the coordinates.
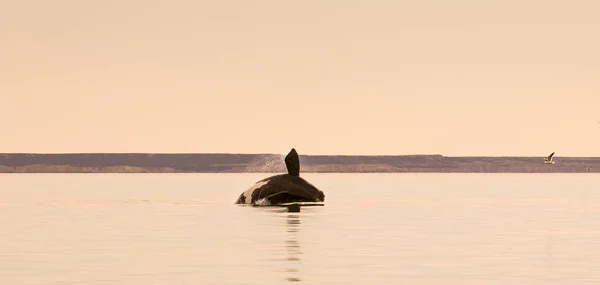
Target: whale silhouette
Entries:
(282, 188)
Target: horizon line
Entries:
(239, 153)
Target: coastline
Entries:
(267, 163)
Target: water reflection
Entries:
(293, 247)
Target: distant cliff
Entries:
(221, 163)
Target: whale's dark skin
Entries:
(283, 188)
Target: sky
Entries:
(457, 78)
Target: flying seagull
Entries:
(549, 159)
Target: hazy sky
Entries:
(506, 77)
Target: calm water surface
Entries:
(374, 229)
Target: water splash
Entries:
(266, 163)
(263, 202)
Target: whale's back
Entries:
(283, 188)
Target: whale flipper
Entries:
(292, 162)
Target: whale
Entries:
(283, 188)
